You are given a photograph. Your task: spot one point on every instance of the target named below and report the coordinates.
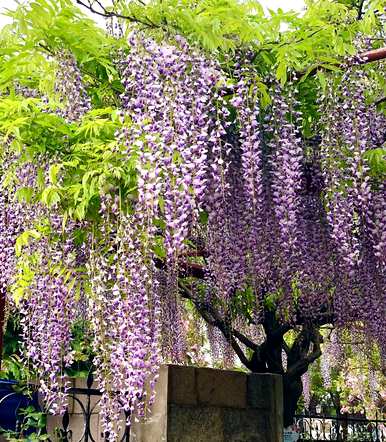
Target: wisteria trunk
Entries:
(292, 391)
(268, 357)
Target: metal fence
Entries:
(86, 401)
(80, 423)
(340, 428)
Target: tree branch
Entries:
(299, 357)
(373, 55)
(380, 100)
(245, 340)
(191, 269)
(110, 14)
(185, 270)
(212, 317)
(364, 57)
(271, 349)
(272, 327)
(360, 9)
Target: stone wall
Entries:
(192, 405)
(208, 405)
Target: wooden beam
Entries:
(373, 55)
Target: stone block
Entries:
(247, 425)
(194, 424)
(182, 385)
(221, 388)
(197, 405)
(261, 390)
(265, 393)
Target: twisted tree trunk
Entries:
(267, 357)
(292, 391)
(304, 350)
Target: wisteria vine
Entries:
(223, 185)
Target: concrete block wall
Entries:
(194, 405)
(208, 405)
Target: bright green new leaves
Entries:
(43, 29)
(318, 39)
(213, 24)
(376, 159)
(86, 159)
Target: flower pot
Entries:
(11, 405)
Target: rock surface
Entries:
(208, 405)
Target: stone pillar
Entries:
(208, 405)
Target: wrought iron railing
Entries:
(340, 428)
(80, 423)
(86, 400)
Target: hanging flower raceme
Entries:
(354, 202)
(169, 97)
(219, 235)
(125, 314)
(70, 87)
(15, 217)
(247, 106)
(377, 226)
(325, 369)
(306, 382)
(48, 309)
(287, 157)
(346, 142)
(11, 223)
(235, 203)
(46, 319)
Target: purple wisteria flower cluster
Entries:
(47, 306)
(270, 219)
(125, 316)
(355, 204)
(169, 98)
(10, 227)
(70, 87)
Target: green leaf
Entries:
(53, 173)
(24, 194)
(23, 239)
(376, 159)
(281, 72)
(50, 196)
